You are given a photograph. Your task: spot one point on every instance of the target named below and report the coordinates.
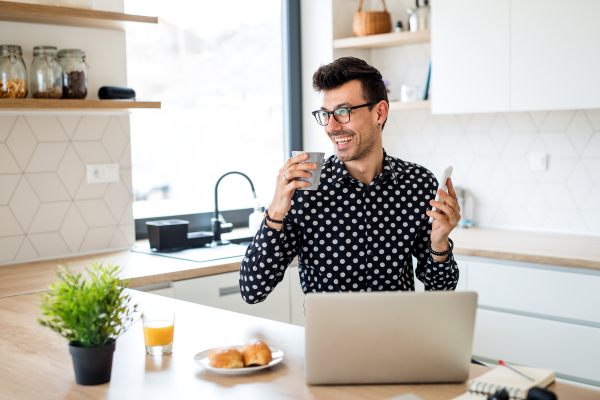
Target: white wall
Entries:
(316, 37)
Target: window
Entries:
(217, 69)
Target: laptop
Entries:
(388, 337)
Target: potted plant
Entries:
(91, 313)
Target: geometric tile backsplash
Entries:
(47, 208)
(490, 155)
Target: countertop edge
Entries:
(531, 258)
(232, 265)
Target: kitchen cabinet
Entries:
(571, 350)
(554, 54)
(222, 291)
(296, 296)
(470, 48)
(535, 314)
(160, 289)
(509, 55)
(545, 292)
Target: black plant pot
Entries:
(92, 365)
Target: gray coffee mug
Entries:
(313, 157)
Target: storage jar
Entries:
(46, 75)
(74, 73)
(13, 73)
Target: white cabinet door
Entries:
(222, 291)
(574, 296)
(296, 296)
(566, 348)
(555, 54)
(162, 289)
(470, 50)
(463, 273)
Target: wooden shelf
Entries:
(384, 40)
(41, 14)
(411, 105)
(68, 104)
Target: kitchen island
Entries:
(564, 303)
(35, 361)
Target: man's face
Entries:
(356, 139)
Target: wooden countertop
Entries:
(142, 269)
(145, 269)
(35, 361)
(542, 248)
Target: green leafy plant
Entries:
(88, 312)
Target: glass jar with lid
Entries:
(46, 75)
(13, 73)
(74, 73)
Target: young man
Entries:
(370, 214)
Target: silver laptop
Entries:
(389, 337)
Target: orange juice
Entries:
(158, 333)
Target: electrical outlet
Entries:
(102, 173)
(538, 161)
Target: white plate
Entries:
(202, 359)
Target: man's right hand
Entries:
(287, 185)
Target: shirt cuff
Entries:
(268, 239)
(448, 262)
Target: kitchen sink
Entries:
(202, 254)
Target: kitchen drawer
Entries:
(296, 296)
(574, 296)
(568, 349)
(161, 289)
(222, 291)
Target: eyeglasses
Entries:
(341, 114)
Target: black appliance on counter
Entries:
(172, 235)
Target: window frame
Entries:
(292, 120)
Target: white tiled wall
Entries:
(490, 152)
(47, 208)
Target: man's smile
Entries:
(343, 141)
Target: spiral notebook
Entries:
(502, 377)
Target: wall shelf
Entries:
(41, 14)
(69, 104)
(384, 40)
(411, 105)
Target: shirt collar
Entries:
(391, 167)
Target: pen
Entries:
(507, 365)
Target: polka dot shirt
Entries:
(349, 236)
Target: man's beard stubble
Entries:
(359, 153)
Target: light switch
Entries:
(102, 173)
(538, 161)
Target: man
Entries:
(357, 232)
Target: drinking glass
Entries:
(159, 326)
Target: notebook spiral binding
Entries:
(489, 388)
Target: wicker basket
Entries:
(371, 22)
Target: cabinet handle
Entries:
(227, 290)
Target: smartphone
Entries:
(442, 185)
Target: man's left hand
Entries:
(445, 220)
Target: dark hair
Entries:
(346, 69)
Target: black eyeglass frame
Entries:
(329, 113)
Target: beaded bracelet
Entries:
(436, 253)
(272, 220)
